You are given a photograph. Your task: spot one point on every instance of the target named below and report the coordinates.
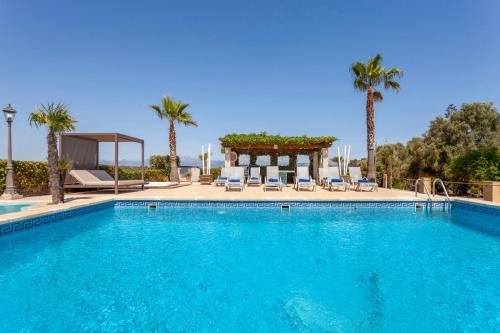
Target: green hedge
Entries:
(31, 178)
(131, 173)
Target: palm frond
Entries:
(174, 110)
(158, 110)
(390, 84)
(360, 85)
(372, 74)
(358, 69)
(185, 118)
(37, 118)
(377, 96)
(377, 61)
(55, 116)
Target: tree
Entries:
(58, 120)
(473, 166)
(175, 112)
(473, 126)
(391, 158)
(366, 78)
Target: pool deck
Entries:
(42, 204)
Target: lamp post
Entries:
(10, 189)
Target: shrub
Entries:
(473, 166)
(131, 173)
(31, 178)
(215, 172)
(161, 162)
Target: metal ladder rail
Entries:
(447, 197)
(426, 189)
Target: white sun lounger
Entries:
(236, 179)
(98, 179)
(359, 182)
(272, 179)
(222, 179)
(334, 180)
(304, 180)
(254, 178)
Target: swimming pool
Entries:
(254, 269)
(6, 208)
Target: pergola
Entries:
(82, 150)
(274, 146)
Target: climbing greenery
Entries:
(266, 139)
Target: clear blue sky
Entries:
(244, 66)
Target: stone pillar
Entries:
(324, 157)
(315, 165)
(274, 158)
(253, 159)
(428, 183)
(227, 157)
(293, 162)
(491, 191)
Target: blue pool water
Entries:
(128, 269)
(6, 208)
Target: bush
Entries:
(131, 173)
(215, 172)
(31, 178)
(161, 162)
(475, 166)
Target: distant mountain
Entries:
(194, 161)
(124, 162)
(185, 161)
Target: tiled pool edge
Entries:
(477, 207)
(51, 217)
(26, 223)
(275, 203)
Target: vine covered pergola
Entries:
(275, 146)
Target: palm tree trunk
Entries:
(53, 167)
(370, 134)
(174, 173)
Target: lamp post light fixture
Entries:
(10, 189)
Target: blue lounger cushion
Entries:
(222, 178)
(304, 180)
(364, 180)
(234, 180)
(272, 180)
(336, 180)
(254, 178)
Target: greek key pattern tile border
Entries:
(29, 223)
(37, 221)
(476, 207)
(257, 204)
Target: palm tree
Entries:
(58, 120)
(175, 112)
(366, 79)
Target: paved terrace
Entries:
(204, 192)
